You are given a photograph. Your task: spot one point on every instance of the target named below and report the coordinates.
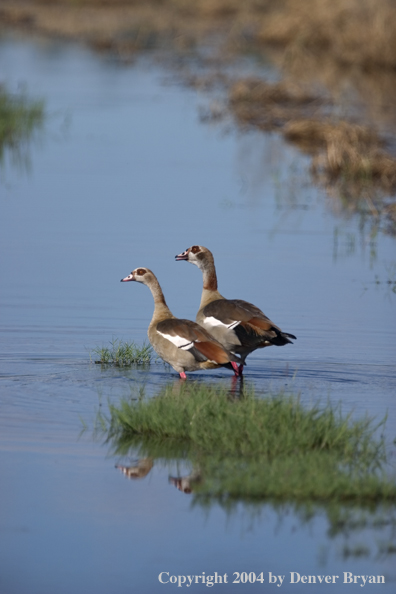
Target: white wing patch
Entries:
(211, 321)
(187, 346)
(178, 341)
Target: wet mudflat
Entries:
(124, 175)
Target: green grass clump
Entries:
(122, 353)
(250, 426)
(253, 448)
(18, 119)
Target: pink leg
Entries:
(183, 375)
(235, 368)
(240, 370)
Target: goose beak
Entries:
(183, 256)
(127, 278)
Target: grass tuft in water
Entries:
(258, 448)
(122, 353)
(18, 119)
(273, 426)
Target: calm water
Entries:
(125, 175)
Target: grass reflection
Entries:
(224, 448)
(19, 118)
(249, 448)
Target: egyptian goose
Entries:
(183, 344)
(238, 325)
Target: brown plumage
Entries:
(239, 326)
(183, 344)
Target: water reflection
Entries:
(186, 484)
(228, 445)
(365, 530)
(137, 471)
(142, 467)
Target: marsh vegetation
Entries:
(19, 118)
(337, 59)
(348, 159)
(122, 353)
(353, 32)
(257, 448)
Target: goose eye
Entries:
(141, 271)
(195, 249)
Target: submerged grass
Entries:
(258, 448)
(122, 353)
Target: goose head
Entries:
(196, 254)
(141, 275)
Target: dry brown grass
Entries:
(348, 158)
(124, 27)
(270, 106)
(354, 32)
(341, 149)
(350, 161)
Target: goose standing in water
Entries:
(183, 344)
(238, 325)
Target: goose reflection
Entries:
(139, 470)
(186, 484)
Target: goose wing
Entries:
(191, 337)
(248, 321)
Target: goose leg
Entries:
(235, 368)
(183, 376)
(238, 369)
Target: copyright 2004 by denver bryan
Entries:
(293, 577)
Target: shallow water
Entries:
(125, 175)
